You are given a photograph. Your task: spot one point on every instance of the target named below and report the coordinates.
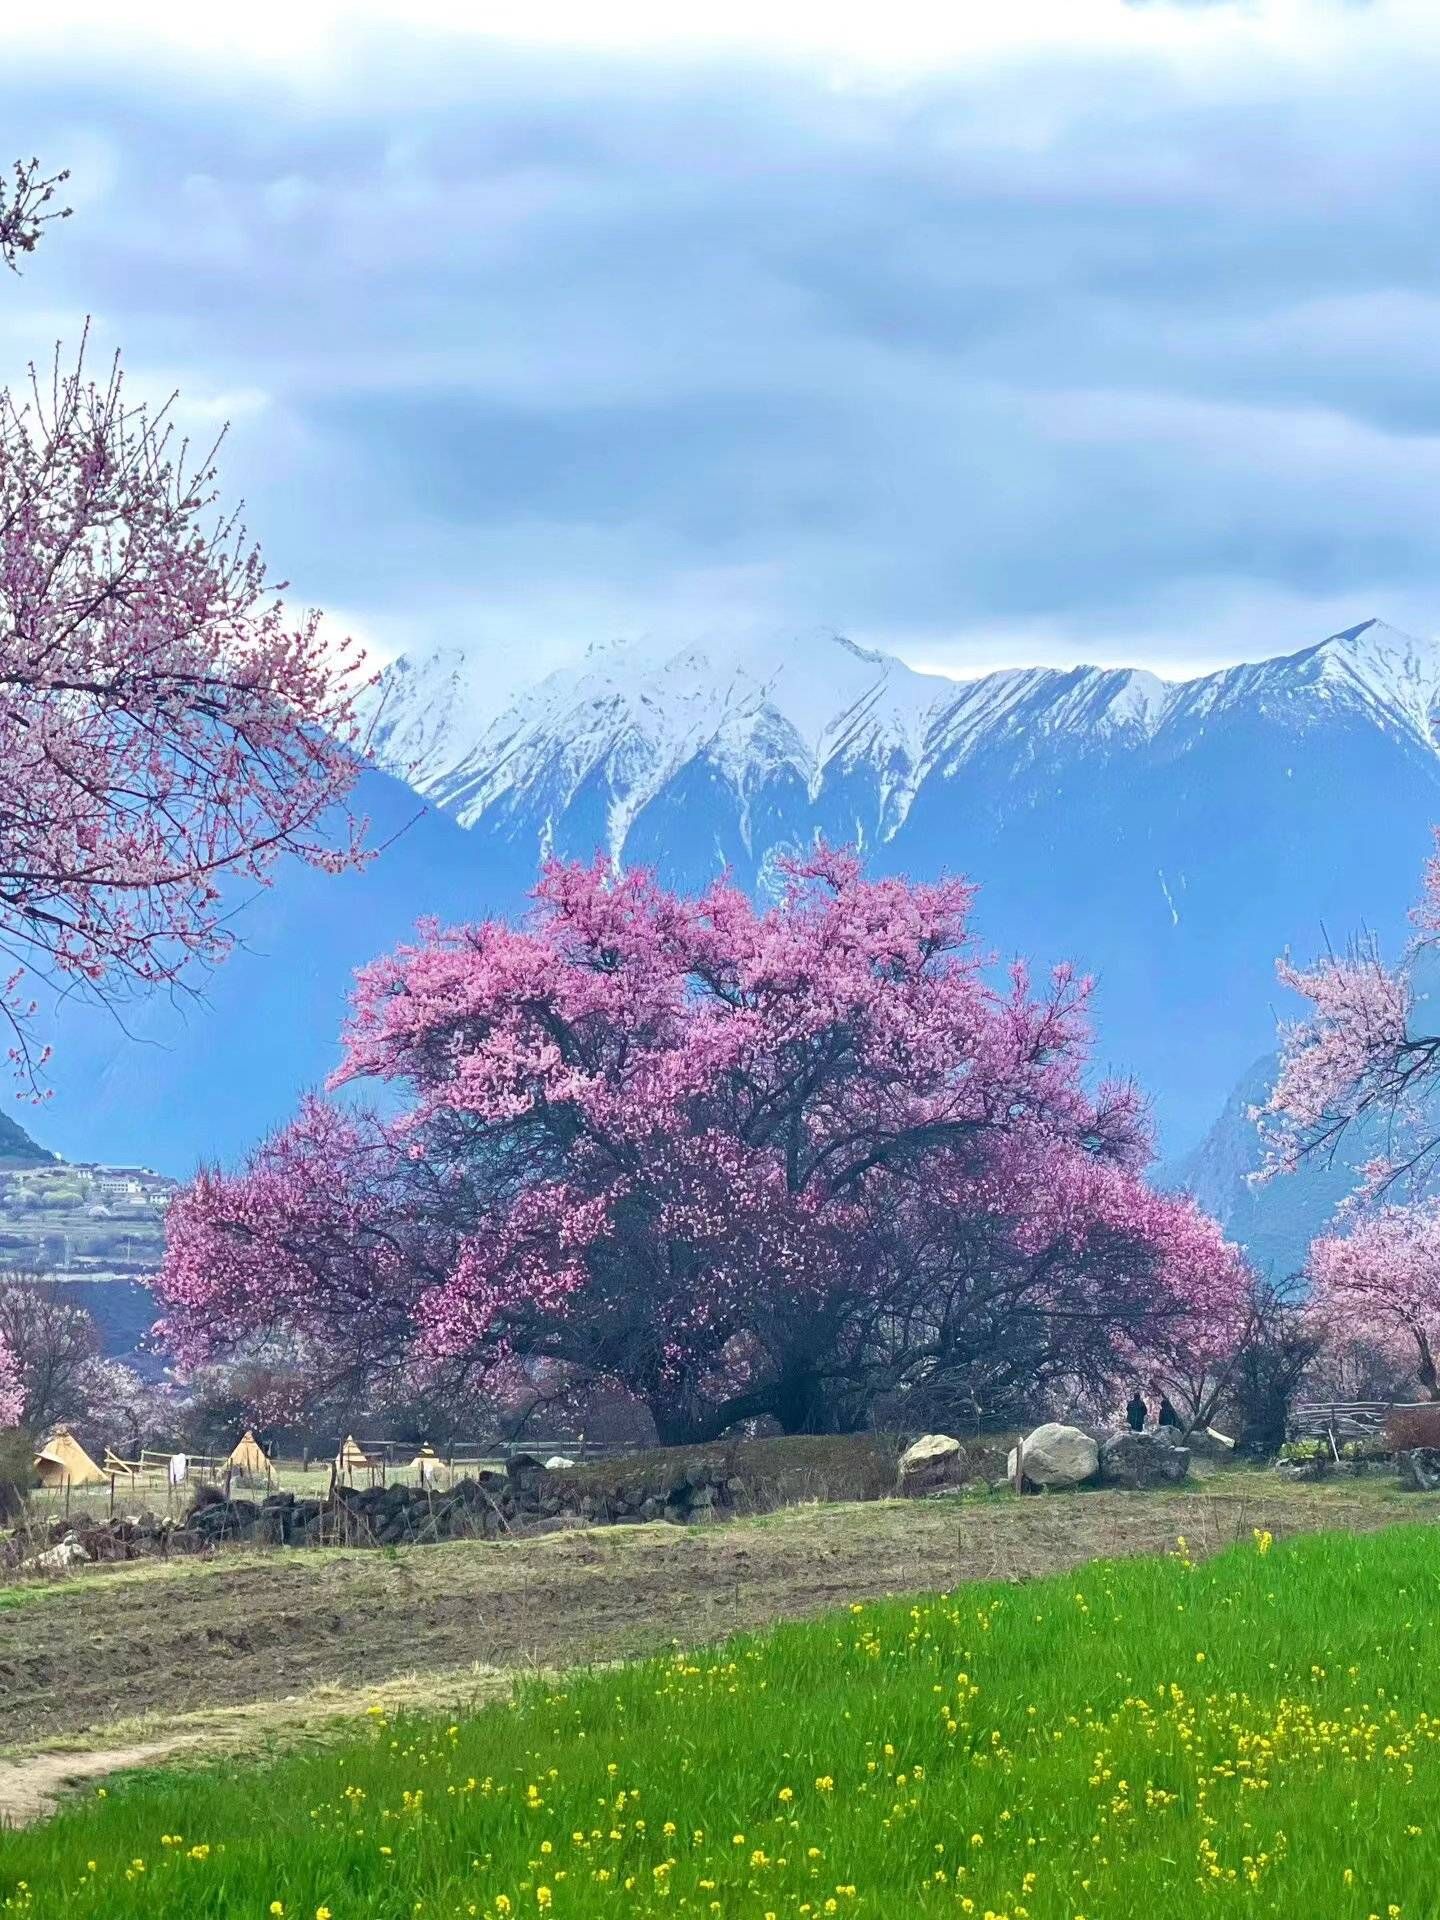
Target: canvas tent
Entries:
(428, 1464)
(63, 1460)
(352, 1458)
(249, 1457)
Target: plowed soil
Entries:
(117, 1646)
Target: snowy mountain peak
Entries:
(817, 726)
(1393, 673)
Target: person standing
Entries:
(1136, 1412)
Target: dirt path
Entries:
(118, 1657)
(30, 1789)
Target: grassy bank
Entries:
(1250, 1733)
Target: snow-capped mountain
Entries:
(819, 716)
(1172, 838)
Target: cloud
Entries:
(1093, 330)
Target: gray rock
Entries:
(1146, 1459)
(1206, 1444)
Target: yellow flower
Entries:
(277, 1907)
(786, 1793)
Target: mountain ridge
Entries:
(634, 716)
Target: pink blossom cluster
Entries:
(731, 1159)
(27, 208)
(12, 1397)
(1350, 1056)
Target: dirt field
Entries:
(140, 1649)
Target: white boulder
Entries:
(931, 1461)
(557, 1463)
(60, 1559)
(1057, 1456)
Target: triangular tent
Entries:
(63, 1458)
(249, 1456)
(352, 1454)
(427, 1457)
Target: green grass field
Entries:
(1255, 1733)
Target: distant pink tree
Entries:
(732, 1162)
(1378, 1286)
(164, 722)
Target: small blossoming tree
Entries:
(729, 1162)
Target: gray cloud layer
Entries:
(1111, 356)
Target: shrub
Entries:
(1408, 1427)
(17, 1473)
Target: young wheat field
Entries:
(1255, 1733)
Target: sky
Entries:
(1049, 331)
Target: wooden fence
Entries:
(1346, 1419)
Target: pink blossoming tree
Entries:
(164, 721)
(1378, 1285)
(1363, 1062)
(728, 1162)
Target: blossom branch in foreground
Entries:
(163, 721)
(26, 208)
